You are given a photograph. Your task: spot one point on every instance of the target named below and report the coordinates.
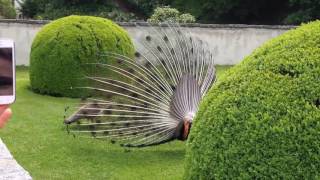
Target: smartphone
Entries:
(7, 72)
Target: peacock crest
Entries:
(151, 99)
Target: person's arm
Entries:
(5, 114)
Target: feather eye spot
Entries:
(161, 88)
(123, 90)
(108, 95)
(148, 38)
(112, 81)
(148, 65)
(118, 45)
(107, 112)
(66, 109)
(172, 51)
(139, 80)
(137, 54)
(119, 61)
(130, 70)
(165, 38)
(163, 61)
(148, 90)
(173, 87)
(93, 134)
(135, 95)
(145, 105)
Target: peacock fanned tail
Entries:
(151, 99)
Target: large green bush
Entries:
(262, 119)
(62, 48)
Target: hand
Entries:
(5, 114)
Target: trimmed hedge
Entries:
(62, 48)
(262, 119)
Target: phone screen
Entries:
(6, 72)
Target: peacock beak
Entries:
(69, 120)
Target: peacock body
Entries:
(151, 99)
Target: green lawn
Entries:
(37, 138)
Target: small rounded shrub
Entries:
(163, 14)
(61, 51)
(262, 119)
(167, 14)
(187, 18)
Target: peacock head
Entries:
(183, 128)
(187, 122)
(87, 110)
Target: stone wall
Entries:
(231, 42)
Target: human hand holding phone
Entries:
(5, 114)
(7, 79)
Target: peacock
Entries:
(152, 98)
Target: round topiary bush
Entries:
(61, 52)
(262, 119)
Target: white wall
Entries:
(232, 42)
(22, 34)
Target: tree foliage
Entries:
(46, 9)
(303, 11)
(235, 11)
(6, 9)
(206, 11)
(240, 11)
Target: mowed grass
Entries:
(38, 140)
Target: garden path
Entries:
(9, 168)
